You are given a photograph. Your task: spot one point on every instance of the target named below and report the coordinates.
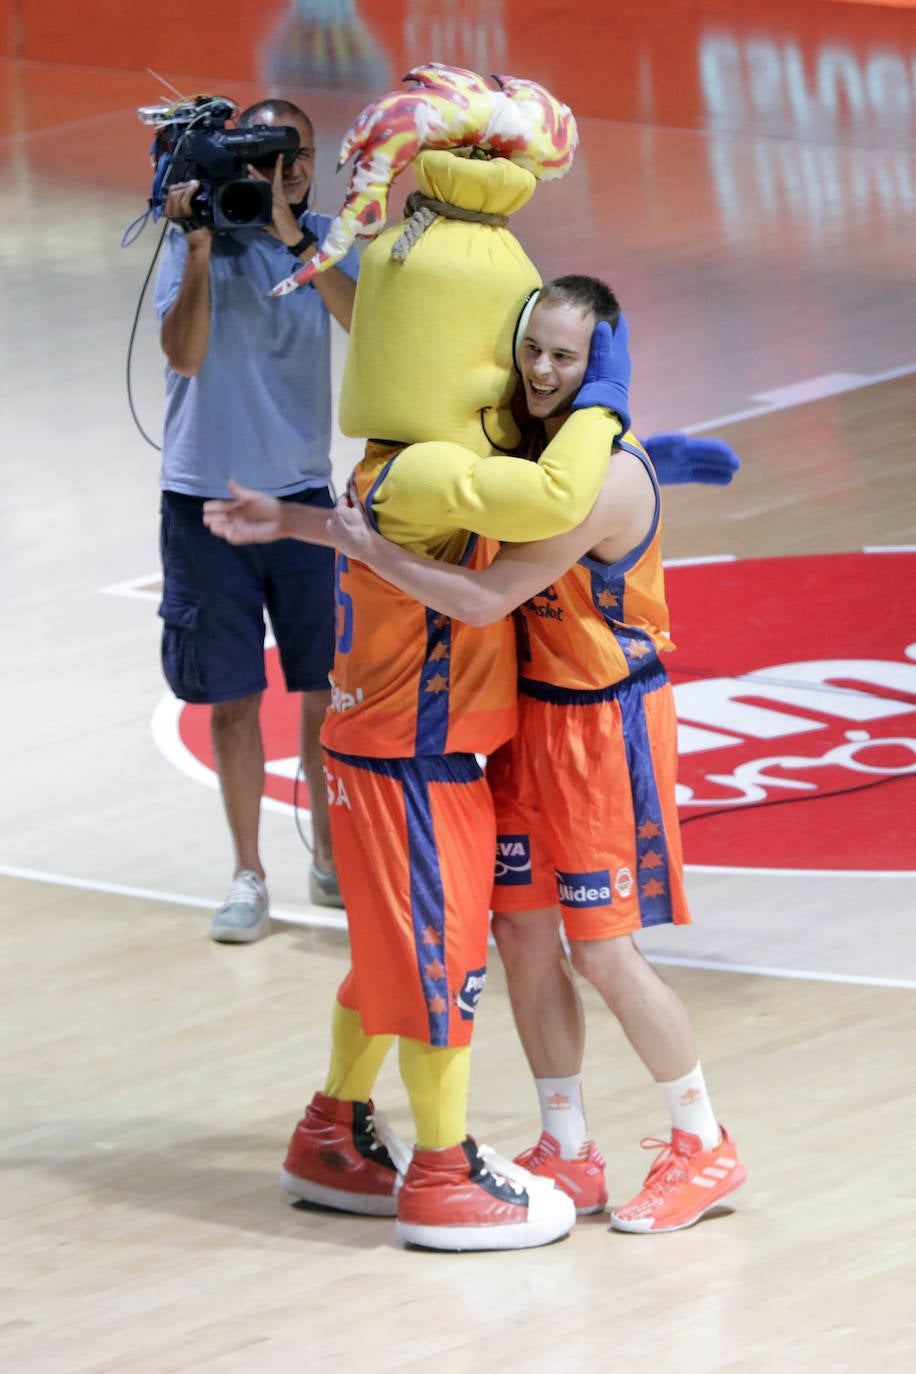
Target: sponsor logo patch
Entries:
(623, 882)
(513, 861)
(474, 983)
(580, 890)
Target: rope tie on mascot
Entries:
(424, 211)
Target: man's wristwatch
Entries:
(308, 241)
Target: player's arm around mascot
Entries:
(430, 366)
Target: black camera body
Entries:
(193, 144)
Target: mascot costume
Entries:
(417, 697)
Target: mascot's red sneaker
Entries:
(345, 1155)
(470, 1198)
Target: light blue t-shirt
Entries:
(259, 409)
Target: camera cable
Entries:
(126, 240)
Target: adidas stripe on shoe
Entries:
(582, 1179)
(684, 1183)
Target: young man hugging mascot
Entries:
(418, 698)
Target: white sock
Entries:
(563, 1113)
(691, 1110)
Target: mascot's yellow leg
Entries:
(355, 1056)
(437, 1085)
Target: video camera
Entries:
(193, 144)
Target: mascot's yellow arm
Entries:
(433, 487)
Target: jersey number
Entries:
(343, 605)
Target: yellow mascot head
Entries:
(430, 351)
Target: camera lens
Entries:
(244, 202)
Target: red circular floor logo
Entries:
(795, 681)
(284, 786)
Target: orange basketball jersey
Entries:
(600, 622)
(585, 791)
(420, 683)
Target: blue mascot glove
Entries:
(678, 458)
(607, 377)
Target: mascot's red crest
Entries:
(448, 108)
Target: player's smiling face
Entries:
(553, 356)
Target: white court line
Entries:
(803, 393)
(335, 921)
(139, 587)
(700, 560)
(329, 920)
(764, 971)
(167, 739)
(797, 873)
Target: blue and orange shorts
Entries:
(413, 843)
(586, 811)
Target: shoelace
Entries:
(667, 1169)
(503, 1180)
(384, 1138)
(503, 1171)
(539, 1153)
(547, 1150)
(543, 1152)
(243, 889)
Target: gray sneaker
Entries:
(244, 915)
(323, 888)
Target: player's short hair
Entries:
(583, 293)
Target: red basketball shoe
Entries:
(345, 1155)
(470, 1198)
(683, 1184)
(582, 1179)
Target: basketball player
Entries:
(416, 698)
(585, 791)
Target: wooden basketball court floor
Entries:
(764, 255)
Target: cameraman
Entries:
(248, 395)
